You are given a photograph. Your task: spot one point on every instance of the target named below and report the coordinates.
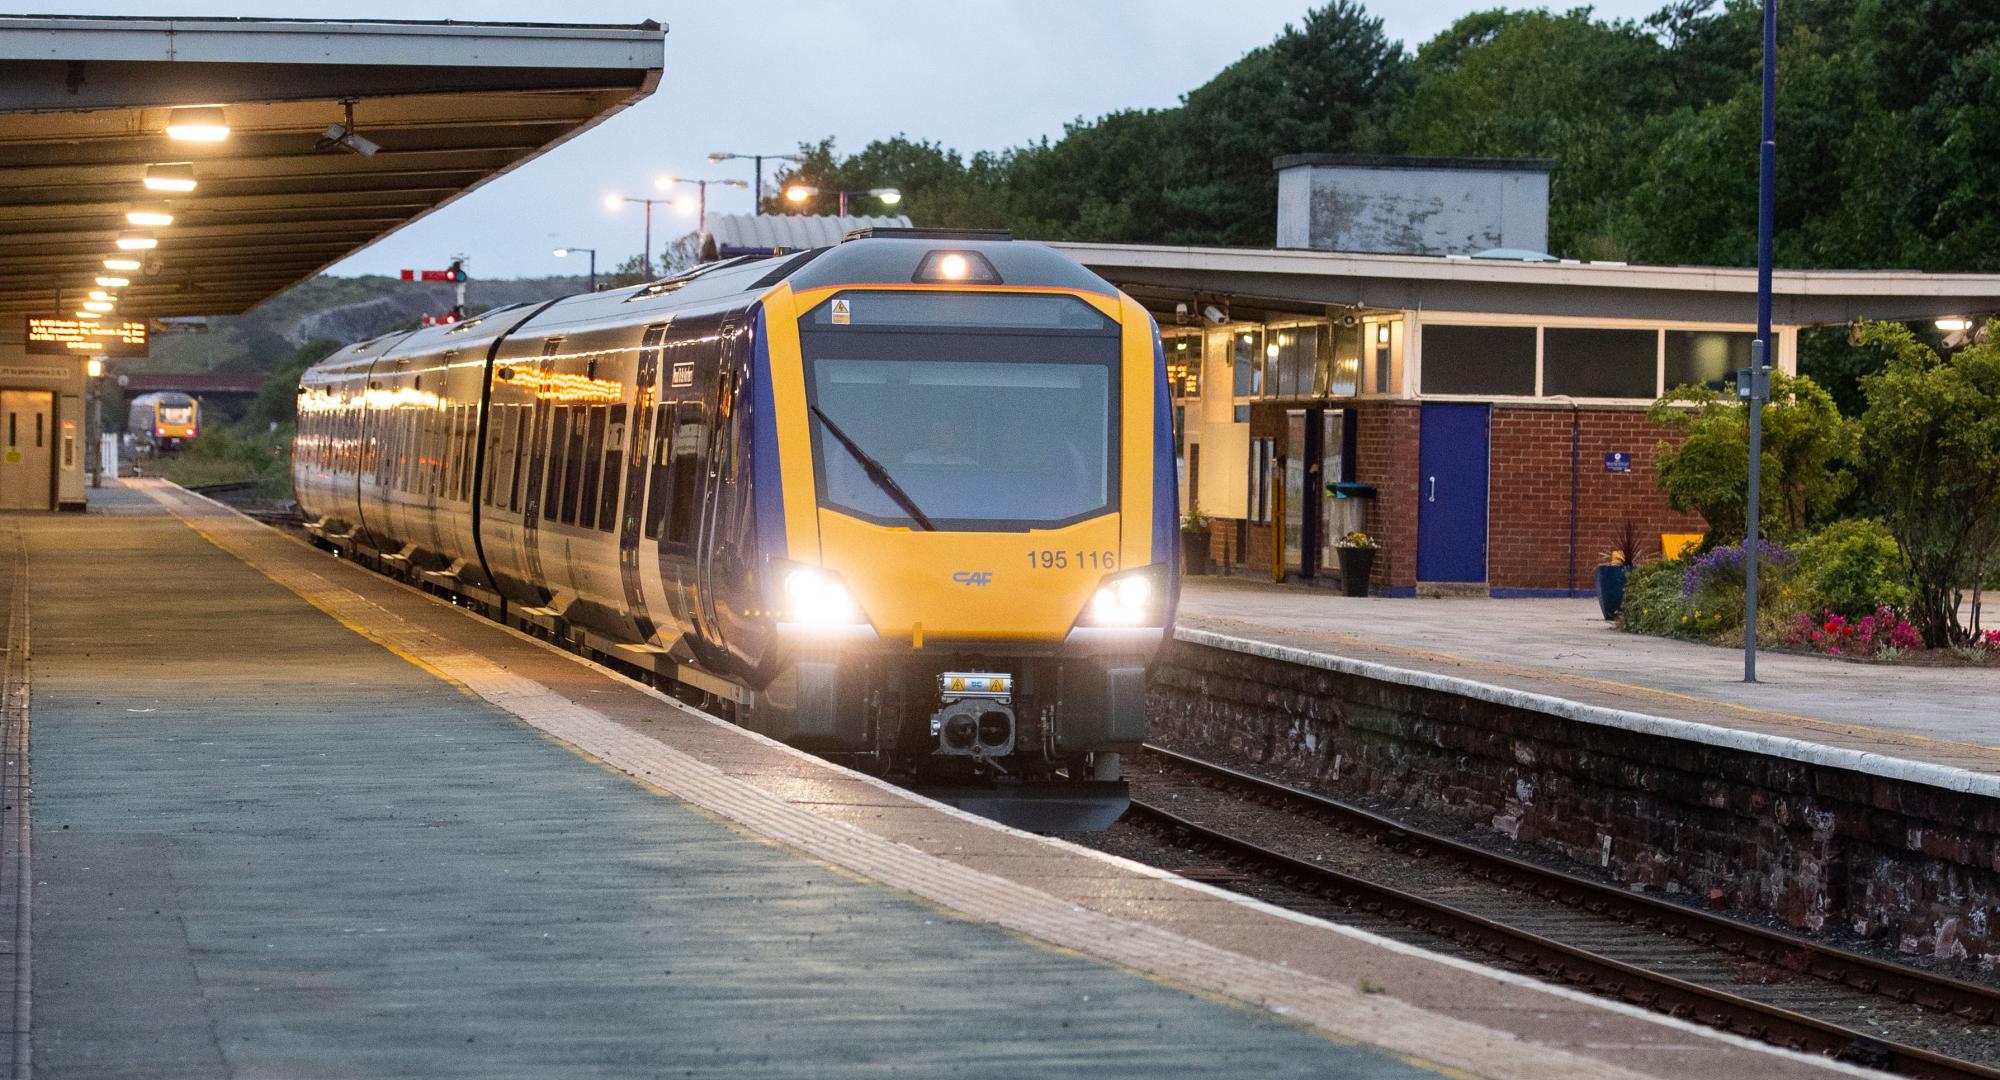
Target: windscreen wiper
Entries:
(875, 471)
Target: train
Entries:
(907, 501)
(163, 422)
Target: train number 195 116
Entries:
(1082, 559)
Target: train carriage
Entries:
(164, 421)
(907, 500)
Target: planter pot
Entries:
(1356, 563)
(1611, 590)
(1194, 553)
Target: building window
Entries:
(1496, 360)
(1183, 359)
(1339, 369)
(1248, 362)
(1592, 363)
(1706, 357)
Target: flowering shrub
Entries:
(1835, 634)
(1724, 566)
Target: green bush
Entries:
(1852, 568)
(1653, 603)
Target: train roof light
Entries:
(956, 268)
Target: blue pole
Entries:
(1760, 350)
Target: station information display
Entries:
(77, 337)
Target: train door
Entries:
(27, 462)
(718, 493)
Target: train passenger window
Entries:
(573, 463)
(614, 461)
(593, 452)
(558, 454)
(689, 438)
(518, 461)
(497, 438)
(656, 481)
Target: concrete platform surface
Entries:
(1563, 648)
(291, 819)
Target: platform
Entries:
(1563, 649)
(292, 819)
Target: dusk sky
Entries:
(970, 74)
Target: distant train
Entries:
(907, 501)
(163, 422)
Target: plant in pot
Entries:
(1195, 537)
(1612, 571)
(1357, 561)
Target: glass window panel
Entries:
(614, 464)
(1705, 357)
(1594, 363)
(1479, 360)
(1248, 361)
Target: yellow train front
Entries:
(974, 475)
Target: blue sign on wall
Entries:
(1617, 461)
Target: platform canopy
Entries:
(85, 104)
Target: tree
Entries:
(1535, 84)
(1807, 444)
(1931, 443)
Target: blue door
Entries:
(1451, 493)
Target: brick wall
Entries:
(1385, 455)
(1528, 530)
(1820, 847)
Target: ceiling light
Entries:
(100, 294)
(149, 215)
(171, 176)
(136, 242)
(1954, 324)
(88, 315)
(112, 282)
(202, 123)
(116, 263)
(99, 306)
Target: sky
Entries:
(765, 76)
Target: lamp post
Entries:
(565, 252)
(1754, 383)
(757, 170)
(701, 189)
(799, 193)
(615, 201)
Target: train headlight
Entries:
(817, 597)
(1134, 598)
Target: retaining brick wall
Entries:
(1913, 864)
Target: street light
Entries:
(566, 252)
(615, 201)
(701, 197)
(93, 368)
(757, 170)
(799, 193)
(1754, 383)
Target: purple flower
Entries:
(1726, 563)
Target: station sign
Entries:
(79, 337)
(1618, 461)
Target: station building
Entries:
(254, 154)
(1474, 405)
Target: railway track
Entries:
(1326, 857)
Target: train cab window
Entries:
(614, 462)
(587, 462)
(558, 455)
